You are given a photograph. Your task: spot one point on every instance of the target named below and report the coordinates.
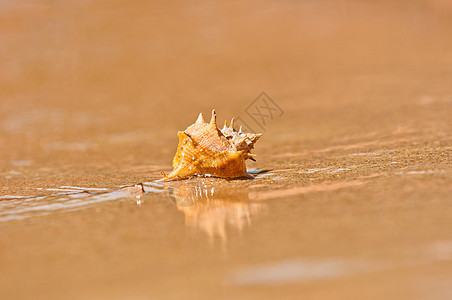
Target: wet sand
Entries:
(353, 200)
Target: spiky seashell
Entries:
(206, 150)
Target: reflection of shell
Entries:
(206, 150)
(213, 208)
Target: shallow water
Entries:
(352, 195)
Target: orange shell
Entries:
(206, 150)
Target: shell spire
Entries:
(213, 120)
(206, 150)
(200, 119)
(232, 123)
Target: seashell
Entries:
(206, 150)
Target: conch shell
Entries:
(206, 150)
